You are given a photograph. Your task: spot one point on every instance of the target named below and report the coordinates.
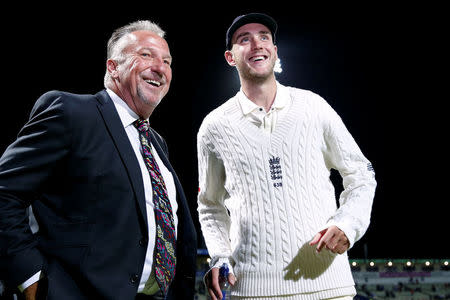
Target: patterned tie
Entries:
(165, 259)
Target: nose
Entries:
(159, 66)
(158, 63)
(256, 43)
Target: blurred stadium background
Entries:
(402, 279)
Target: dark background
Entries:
(382, 68)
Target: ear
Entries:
(229, 58)
(111, 66)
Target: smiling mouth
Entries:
(153, 82)
(257, 58)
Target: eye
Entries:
(244, 39)
(264, 38)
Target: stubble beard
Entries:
(249, 74)
(144, 99)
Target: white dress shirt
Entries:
(127, 116)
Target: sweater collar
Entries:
(247, 105)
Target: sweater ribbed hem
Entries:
(337, 293)
(274, 283)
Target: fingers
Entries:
(30, 292)
(316, 239)
(213, 285)
(211, 294)
(231, 279)
(323, 240)
(332, 239)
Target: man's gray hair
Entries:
(115, 46)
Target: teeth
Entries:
(258, 58)
(153, 82)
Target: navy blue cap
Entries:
(259, 18)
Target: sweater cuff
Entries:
(218, 262)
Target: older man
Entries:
(113, 219)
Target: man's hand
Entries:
(30, 292)
(212, 283)
(333, 239)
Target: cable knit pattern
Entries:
(262, 197)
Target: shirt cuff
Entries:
(30, 281)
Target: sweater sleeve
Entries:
(358, 177)
(213, 215)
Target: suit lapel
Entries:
(124, 148)
(186, 238)
(180, 193)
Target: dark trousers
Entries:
(157, 296)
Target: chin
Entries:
(152, 103)
(256, 77)
(149, 98)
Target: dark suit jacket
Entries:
(74, 164)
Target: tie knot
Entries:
(142, 125)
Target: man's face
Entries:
(144, 75)
(253, 52)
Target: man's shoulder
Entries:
(299, 93)
(303, 97)
(57, 95)
(222, 111)
(312, 102)
(216, 117)
(63, 101)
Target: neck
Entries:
(128, 99)
(261, 93)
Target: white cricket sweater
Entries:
(262, 197)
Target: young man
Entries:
(266, 204)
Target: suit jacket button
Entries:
(134, 278)
(143, 242)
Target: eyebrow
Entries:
(248, 33)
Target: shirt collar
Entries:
(127, 116)
(248, 106)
